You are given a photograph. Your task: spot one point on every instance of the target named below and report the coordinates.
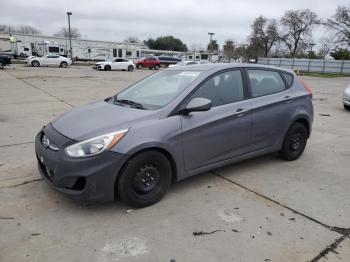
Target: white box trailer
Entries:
(82, 49)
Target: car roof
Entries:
(222, 66)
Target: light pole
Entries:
(70, 36)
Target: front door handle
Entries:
(241, 112)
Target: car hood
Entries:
(101, 63)
(99, 118)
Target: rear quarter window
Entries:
(288, 78)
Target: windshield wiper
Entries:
(130, 103)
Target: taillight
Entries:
(306, 86)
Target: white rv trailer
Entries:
(82, 49)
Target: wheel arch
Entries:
(305, 122)
(161, 150)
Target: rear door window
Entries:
(265, 82)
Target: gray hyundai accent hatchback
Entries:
(171, 125)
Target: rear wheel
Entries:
(107, 68)
(1, 66)
(130, 68)
(346, 107)
(156, 67)
(145, 179)
(139, 66)
(294, 142)
(63, 64)
(35, 63)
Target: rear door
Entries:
(272, 104)
(224, 131)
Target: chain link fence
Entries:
(309, 65)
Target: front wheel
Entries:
(107, 68)
(156, 67)
(346, 107)
(145, 179)
(130, 68)
(63, 64)
(1, 66)
(35, 63)
(139, 66)
(294, 142)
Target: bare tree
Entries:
(264, 34)
(325, 45)
(340, 24)
(132, 40)
(297, 27)
(197, 47)
(64, 32)
(22, 29)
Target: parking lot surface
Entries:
(263, 209)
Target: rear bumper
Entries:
(85, 179)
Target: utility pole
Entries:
(70, 36)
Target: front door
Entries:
(224, 131)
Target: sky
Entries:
(189, 20)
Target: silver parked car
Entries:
(172, 125)
(346, 98)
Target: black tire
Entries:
(63, 64)
(107, 68)
(35, 63)
(130, 68)
(139, 66)
(1, 66)
(145, 179)
(346, 107)
(156, 67)
(294, 142)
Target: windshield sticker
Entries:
(189, 73)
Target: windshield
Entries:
(157, 90)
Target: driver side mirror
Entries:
(197, 105)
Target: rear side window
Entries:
(264, 82)
(224, 88)
(288, 78)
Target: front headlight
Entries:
(96, 145)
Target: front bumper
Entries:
(86, 179)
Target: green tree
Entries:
(166, 43)
(213, 46)
(340, 54)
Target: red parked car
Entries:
(148, 62)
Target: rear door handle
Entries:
(288, 99)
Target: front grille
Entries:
(48, 173)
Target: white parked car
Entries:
(184, 63)
(115, 64)
(48, 60)
(346, 98)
